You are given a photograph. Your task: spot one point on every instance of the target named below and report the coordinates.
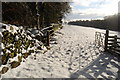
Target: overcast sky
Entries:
(92, 9)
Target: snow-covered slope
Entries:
(73, 54)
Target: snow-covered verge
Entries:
(16, 45)
(73, 54)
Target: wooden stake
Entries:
(115, 41)
(48, 38)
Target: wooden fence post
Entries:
(115, 41)
(48, 38)
(106, 40)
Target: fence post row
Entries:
(106, 40)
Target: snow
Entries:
(72, 54)
(10, 28)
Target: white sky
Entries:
(92, 9)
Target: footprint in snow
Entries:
(53, 52)
(82, 51)
(74, 64)
(82, 66)
(49, 56)
(66, 62)
(78, 44)
(56, 57)
(77, 48)
(70, 69)
(97, 53)
(83, 56)
(85, 53)
(80, 55)
(86, 59)
(45, 68)
(68, 50)
(27, 69)
(70, 64)
(76, 57)
(81, 48)
(67, 53)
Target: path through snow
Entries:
(72, 55)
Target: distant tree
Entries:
(119, 21)
(110, 22)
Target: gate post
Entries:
(106, 40)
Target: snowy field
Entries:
(72, 55)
